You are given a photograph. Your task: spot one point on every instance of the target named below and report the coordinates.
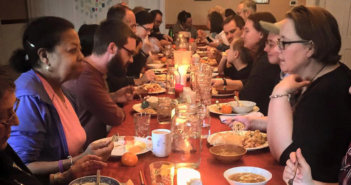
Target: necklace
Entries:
(315, 76)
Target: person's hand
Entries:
(252, 121)
(303, 172)
(164, 42)
(167, 38)
(102, 148)
(123, 95)
(350, 90)
(148, 76)
(87, 165)
(147, 47)
(290, 84)
(216, 82)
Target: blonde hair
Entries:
(218, 9)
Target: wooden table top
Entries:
(210, 169)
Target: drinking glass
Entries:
(162, 173)
(165, 106)
(142, 124)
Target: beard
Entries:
(116, 66)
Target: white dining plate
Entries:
(120, 146)
(137, 108)
(155, 65)
(214, 108)
(158, 91)
(161, 70)
(265, 145)
(223, 95)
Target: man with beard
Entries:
(114, 44)
(117, 77)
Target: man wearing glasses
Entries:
(144, 26)
(155, 32)
(114, 44)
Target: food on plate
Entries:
(214, 91)
(160, 71)
(153, 101)
(254, 139)
(90, 183)
(163, 59)
(152, 87)
(247, 177)
(247, 139)
(227, 138)
(160, 77)
(148, 110)
(209, 61)
(226, 109)
(237, 125)
(129, 159)
(135, 147)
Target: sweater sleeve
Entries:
(95, 97)
(27, 139)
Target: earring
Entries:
(47, 67)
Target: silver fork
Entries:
(291, 181)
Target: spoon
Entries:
(291, 181)
(237, 101)
(98, 177)
(217, 103)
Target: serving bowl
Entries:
(227, 153)
(243, 107)
(225, 89)
(247, 169)
(91, 180)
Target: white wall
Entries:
(77, 11)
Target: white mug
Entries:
(161, 142)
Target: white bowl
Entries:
(153, 101)
(91, 180)
(245, 106)
(242, 169)
(154, 65)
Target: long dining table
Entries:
(211, 170)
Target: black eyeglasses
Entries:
(282, 44)
(130, 53)
(146, 29)
(12, 115)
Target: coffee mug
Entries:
(161, 142)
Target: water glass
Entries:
(205, 119)
(162, 173)
(165, 106)
(170, 83)
(142, 124)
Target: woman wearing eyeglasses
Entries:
(50, 138)
(310, 109)
(13, 170)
